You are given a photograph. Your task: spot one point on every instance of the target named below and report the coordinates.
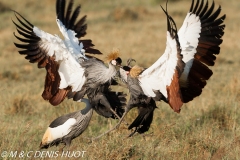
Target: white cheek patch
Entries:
(114, 62)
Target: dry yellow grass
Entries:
(206, 128)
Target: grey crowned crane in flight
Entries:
(180, 74)
(69, 71)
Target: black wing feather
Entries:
(212, 30)
(70, 22)
(69, 11)
(31, 42)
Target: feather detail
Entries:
(113, 55)
(200, 38)
(51, 92)
(71, 42)
(174, 93)
(135, 71)
(60, 131)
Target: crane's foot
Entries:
(61, 149)
(131, 134)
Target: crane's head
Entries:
(134, 71)
(114, 58)
(126, 69)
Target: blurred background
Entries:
(207, 128)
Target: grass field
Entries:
(207, 128)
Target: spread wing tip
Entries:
(210, 37)
(171, 25)
(16, 13)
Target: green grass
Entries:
(207, 128)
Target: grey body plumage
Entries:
(82, 118)
(98, 73)
(99, 78)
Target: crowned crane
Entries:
(70, 73)
(180, 74)
(96, 87)
(55, 54)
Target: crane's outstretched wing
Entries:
(163, 75)
(68, 19)
(59, 57)
(42, 48)
(200, 37)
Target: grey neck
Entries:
(88, 106)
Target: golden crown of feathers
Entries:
(113, 55)
(135, 71)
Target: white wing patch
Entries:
(71, 74)
(67, 53)
(188, 37)
(53, 44)
(159, 75)
(71, 41)
(63, 129)
(52, 134)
